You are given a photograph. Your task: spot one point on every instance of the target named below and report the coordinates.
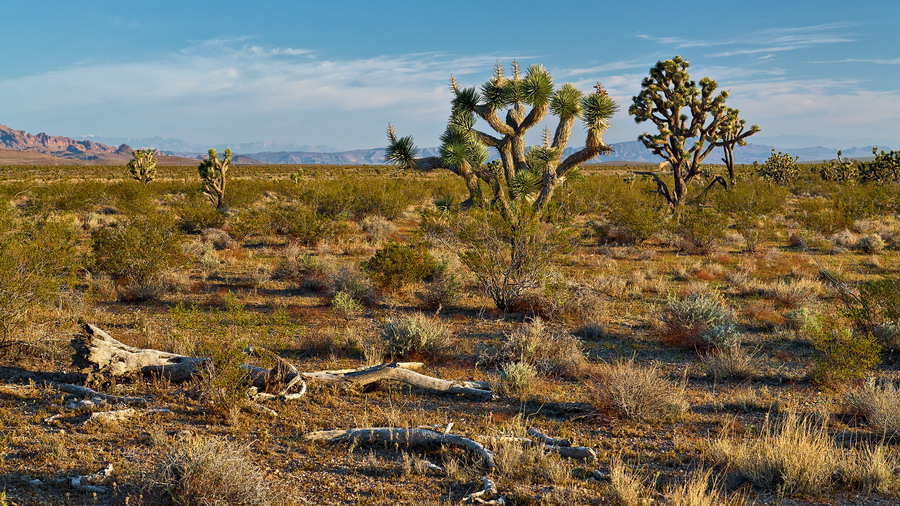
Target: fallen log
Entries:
(402, 373)
(405, 437)
(98, 354)
(95, 396)
(120, 415)
(487, 495)
(569, 452)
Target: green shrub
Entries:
(700, 229)
(137, 251)
(416, 334)
(352, 283)
(444, 287)
(396, 264)
(825, 216)
(749, 204)
(516, 378)
(195, 214)
(846, 355)
(345, 304)
(306, 225)
(633, 215)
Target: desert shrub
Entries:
(516, 378)
(345, 304)
(871, 243)
(218, 238)
(139, 251)
(416, 334)
(300, 267)
(636, 392)
(509, 257)
(253, 221)
(878, 403)
(209, 471)
(396, 264)
(700, 229)
(845, 355)
(888, 335)
(444, 287)
(632, 216)
(195, 214)
(222, 383)
(822, 215)
(780, 168)
(306, 225)
(37, 259)
(730, 362)
(377, 229)
(699, 320)
(749, 205)
(548, 350)
(351, 282)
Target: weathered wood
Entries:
(569, 452)
(121, 414)
(97, 353)
(487, 495)
(547, 440)
(405, 437)
(396, 372)
(90, 393)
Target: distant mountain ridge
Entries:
(271, 153)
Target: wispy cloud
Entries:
(875, 61)
(680, 42)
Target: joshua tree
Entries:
(689, 120)
(520, 175)
(732, 132)
(142, 165)
(212, 172)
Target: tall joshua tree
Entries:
(511, 107)
(733, 132)
(689, 121)
(213, 171)
(142, 165)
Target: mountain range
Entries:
(20, 147)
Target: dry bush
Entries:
(796, 294)
(628, 488)
(730, 362)
(377, 229)
(444, 287)
(212, 472)
(871, 469)
(878, 403)
(871, 243)
(701, 489)
(519, 463)
(548, 350)
(218, 238)
(699, 320)
(416, 334)
(637, 392)
(516, 379)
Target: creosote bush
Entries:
(846, 356)
(396, 264)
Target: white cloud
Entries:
(875, 61)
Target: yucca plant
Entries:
(511, 107)
(213, 173)
(733, 132)
(142, 165)
(691, 121)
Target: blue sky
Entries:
(334, 73)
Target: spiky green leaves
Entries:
(142, 165)
(566, 102)
(598, 108)
(537, 87)
(466, 99)
(460, 146)
(401, 151)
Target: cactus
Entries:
(840, 170)
(142, 165)
(520, 176)
(884, 169)
(690, 120)
(780, 168)
(213, 173)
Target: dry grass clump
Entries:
(520, 463)
(871, 243)
(627, 487)
(416, 334)
(377, 229)
(794, 294)
(793, 456)
(548, 350)
(516, 379)
(209, 471)
(218, 238)
(879, 404)
(796, 456)
(701, 489)
(637, 392)
(731, 362)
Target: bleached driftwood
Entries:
(405, 437)
(97, 397)
(119, 415)
(402, 372)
